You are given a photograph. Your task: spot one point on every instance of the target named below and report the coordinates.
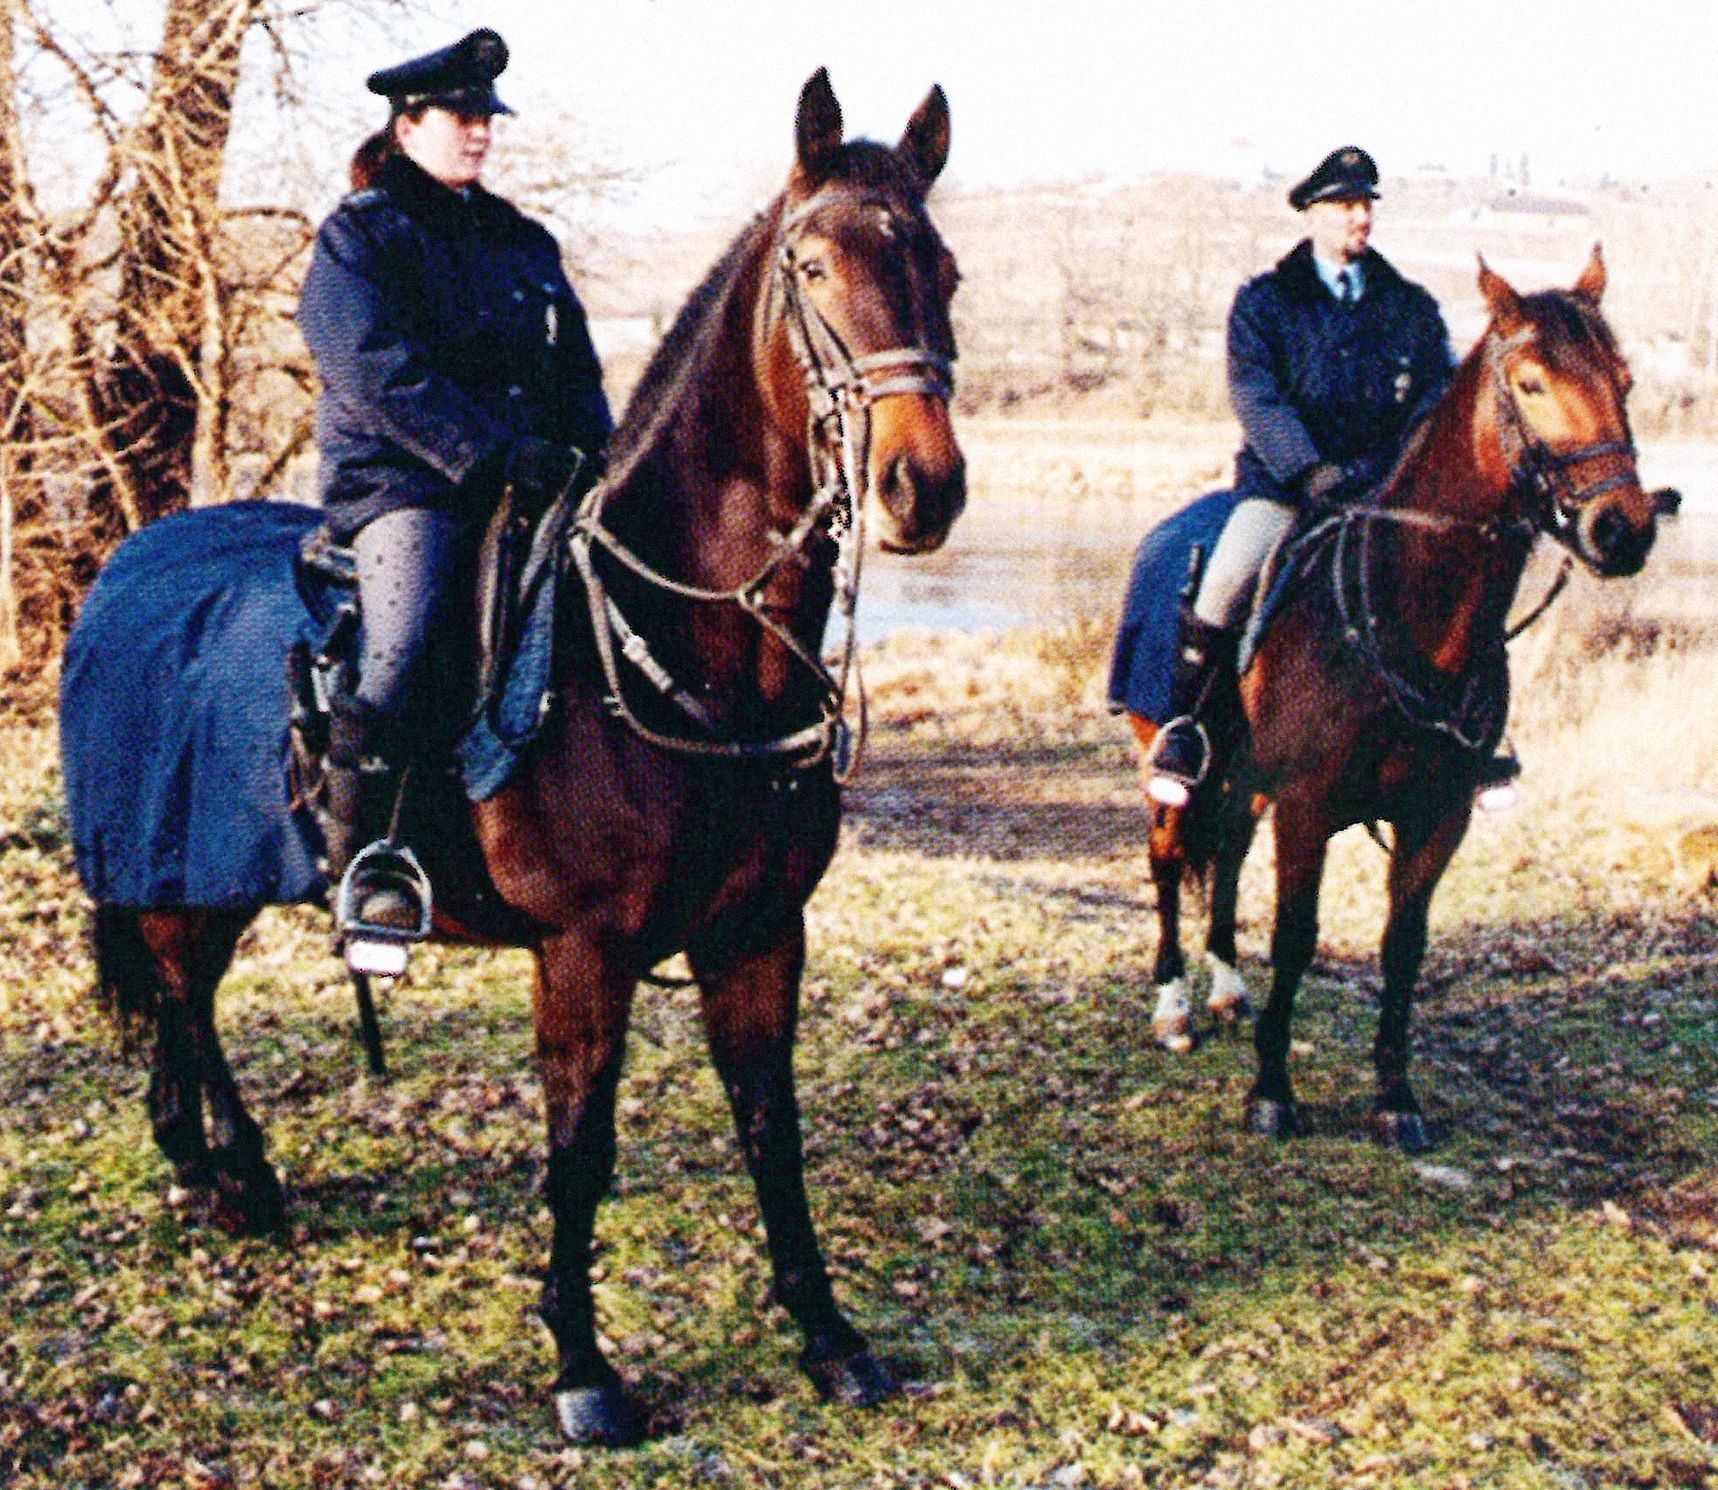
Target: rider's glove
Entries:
(538, 472)
(1323, 481)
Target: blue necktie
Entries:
(1345, 288)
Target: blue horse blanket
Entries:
(1144, 660)
(174, 704)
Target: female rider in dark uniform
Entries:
(455, 363)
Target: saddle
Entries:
(490, 704)
(492, 700)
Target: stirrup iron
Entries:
(369, 948)
(1177, 791)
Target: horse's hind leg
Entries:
(192, 950)
(132, 982)
(751, 1007)
(1422, 853)
(1302, 833)
(1228, 1000)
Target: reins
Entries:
(840, 392)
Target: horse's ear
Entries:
(817, 128)
(1504, 302)
(924, 145)
(1592, 280)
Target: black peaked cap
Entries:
(1348, 172)
(459, 77)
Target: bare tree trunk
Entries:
(14, 411)
(146, 399)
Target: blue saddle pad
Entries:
(174, 713)
(1144, 661)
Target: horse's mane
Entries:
(680, 355)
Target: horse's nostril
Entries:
(898, 487)
(1618, 543)
(1610, 533)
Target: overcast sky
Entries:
(701, 92)
(698, 95)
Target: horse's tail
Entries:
(128, 983)
(1201, 828)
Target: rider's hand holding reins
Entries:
(538, 472)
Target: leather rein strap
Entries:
(840, 391)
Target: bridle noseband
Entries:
(841, 390)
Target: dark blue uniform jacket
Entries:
(1314, 381)
(443, 328)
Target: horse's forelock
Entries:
(1570, 329)
(866, 166)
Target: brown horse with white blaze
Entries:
(683, 796)
(1379, 689)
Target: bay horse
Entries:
(684, 794)
(1379, 687)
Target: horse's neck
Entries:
(707, 496)
(1453, 586)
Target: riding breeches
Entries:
(408, 570)
(1253, 530)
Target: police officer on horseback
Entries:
(456, 366)
(1333, 358)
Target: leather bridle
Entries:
(841, 390)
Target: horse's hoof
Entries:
(252, 1205)
(1174, 1034)
(1232, 1012)
(856, 1380)
(602, 1417)
(1228, 1001)
(1272, 1119)
(1401, 1130)
(1172, 1019)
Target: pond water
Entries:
(1018, 560)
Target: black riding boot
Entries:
(365, 763)
(1181, 754)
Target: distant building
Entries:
(1528, 209)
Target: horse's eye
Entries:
(1531, 386)
(813, 271)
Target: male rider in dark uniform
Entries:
(1334, 358)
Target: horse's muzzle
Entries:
(1614, 542)
(919, 505)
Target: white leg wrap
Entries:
(1228, 999)
(1172, 1021)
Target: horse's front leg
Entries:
(1302, 832)
(751, 1008)
(1172, 1017)
(583, 999)
(1423, 851)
